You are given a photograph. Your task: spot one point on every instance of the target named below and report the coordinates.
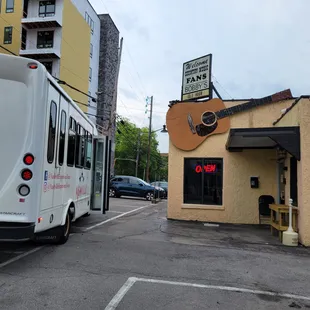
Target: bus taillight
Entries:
(24, 190)
(28, 159)
(32, 65)
(27, 174)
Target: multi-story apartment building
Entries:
(62, 34)
(76, 46)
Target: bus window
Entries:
(80, 151)
(83, 146)
(62, 138)
(51, 133)
(89, 149)
(71, 143)
(77, 145)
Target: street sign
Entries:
(196, 82)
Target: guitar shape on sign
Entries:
(191, 123)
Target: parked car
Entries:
(123, 185)
(163, 185)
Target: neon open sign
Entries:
(206, 168)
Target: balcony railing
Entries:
(42, 14)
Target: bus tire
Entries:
(65, 230)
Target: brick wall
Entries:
(108, 60)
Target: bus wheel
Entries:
(65, 230)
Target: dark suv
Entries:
(122, 185)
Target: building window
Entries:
(91, 50)
(62, 138)
(47, 8)
(52, 133)
(48, 65)
(71, 143)
(89, 94)
(25, 8)
(203, 181)
(9, 6)
(90, 22)
(45, 39)
(24, 38)
(90, 73)
(8, 31)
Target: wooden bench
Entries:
(279, 219)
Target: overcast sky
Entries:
(259, 47)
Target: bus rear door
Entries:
(61, 181)
(50, 149)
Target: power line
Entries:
(216, 80)
(133, 64)
(8, 50)
(76, 89)
(90, 106)
(62, 82)
(135, 67)
(156, 112)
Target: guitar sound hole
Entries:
(203, 130)
(208, 118)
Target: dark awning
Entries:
(288, 138)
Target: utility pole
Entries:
(138, 153)
(149, 146)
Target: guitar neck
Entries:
(254, 103)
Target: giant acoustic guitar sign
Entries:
(189, 124)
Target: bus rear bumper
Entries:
(16, 231)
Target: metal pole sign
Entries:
(196, 81)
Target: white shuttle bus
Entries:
(45, 154)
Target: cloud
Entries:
(128, 93)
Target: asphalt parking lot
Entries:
(141, 260)
(118, 206)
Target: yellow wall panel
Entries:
(11, 19)
(75, 53)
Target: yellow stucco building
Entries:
(224, 177)
(58, 33)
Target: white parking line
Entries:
(14, 259)
(120, 294)
(115, 212)
(117, 216)
(132, 280)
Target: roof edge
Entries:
(291, 107)
(108, 14)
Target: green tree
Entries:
(130, 139)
